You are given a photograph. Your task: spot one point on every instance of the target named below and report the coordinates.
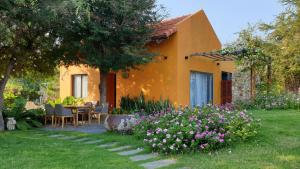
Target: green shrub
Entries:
(71, 100)
(187, 130)
(26, 119)
(139, 104)
(54, 102)
(271, 101)
(120, 111)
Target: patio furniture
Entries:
(75, 110)
(63, 113)
(50, 113)
(99, 110)
(86, 110)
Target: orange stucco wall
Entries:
(156, 79)
(66, 81)
(196, 34)
(164, 78)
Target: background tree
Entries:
(113, 35)
(284, 34)
(250, 55)
(28, 41)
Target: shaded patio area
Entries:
(90, 129)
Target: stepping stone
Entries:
(131, 152)
(82, 139)
(39, 134)
(108, 145)
(93, 142)
(143, 157)
(158, 164)
(68, 137)
(119, 148)
(56, 136)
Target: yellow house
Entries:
(185, 72)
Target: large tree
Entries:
(250, 54)
(284, 34)
(113, 34)
(28, 41)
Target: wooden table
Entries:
(75, 112)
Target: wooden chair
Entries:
(63, 113)
(86, 111)
(98, 111)
(50, 114)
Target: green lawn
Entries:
(276, 146)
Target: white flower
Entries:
(184, 145)
(155, 139)
(154, 145)
(165, 130)
(47, 34)
(191, 132)
(164, 140)
(168, 136)
(178, 140)
(171, 147)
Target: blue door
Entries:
(201, 89)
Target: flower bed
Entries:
(196, 129)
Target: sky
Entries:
(227, 17)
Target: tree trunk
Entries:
(3, 83)
(103, 86)
(252, 83)
(269, 74)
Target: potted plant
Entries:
(120, 120)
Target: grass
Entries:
(276, 147)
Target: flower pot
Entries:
(121, 123)
(11, 123)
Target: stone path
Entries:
(82, 139)
(67, 137)
(158, 164)
(108, 145)
(119, 148)
(55, 135)
(143, 157)
(126, 150)
(130, 152)
(94, 142)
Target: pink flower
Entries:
(198, 136)
(221, 140)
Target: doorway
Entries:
(111, 90)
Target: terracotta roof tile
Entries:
(167, 28)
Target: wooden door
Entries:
(111, 90)
(226, 91)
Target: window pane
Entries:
(84, 86)
(77, 86)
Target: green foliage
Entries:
(120, 111)
(70, 100)
(26, 119)
(141, 105)
(113, 34)
(54, 102)
(270, 101)
(188, 130)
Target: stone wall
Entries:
(241, 85)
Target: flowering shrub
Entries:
(188, 130)
(271, 101)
